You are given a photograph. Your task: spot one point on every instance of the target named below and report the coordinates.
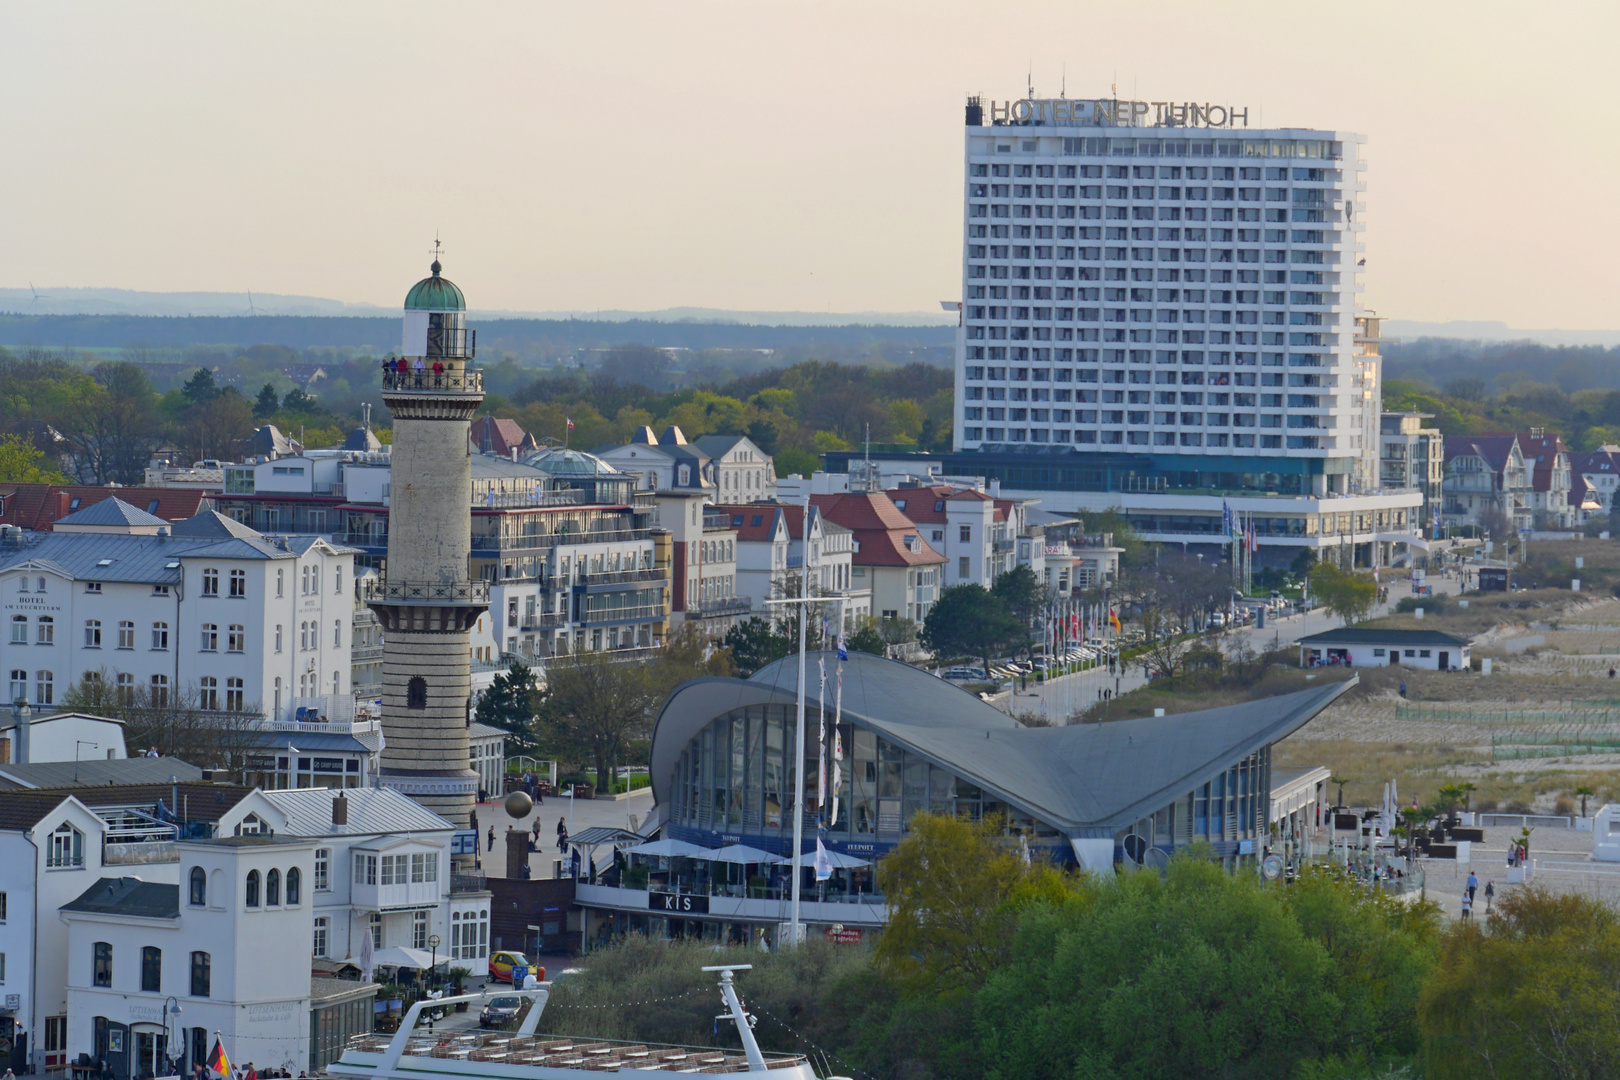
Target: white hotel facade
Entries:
(1159, 319)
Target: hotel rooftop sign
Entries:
(1072, 112)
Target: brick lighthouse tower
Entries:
(425, 601)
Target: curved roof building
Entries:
(1093, 794)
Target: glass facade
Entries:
(734, 782)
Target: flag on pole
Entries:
(1113, 620)
(824, 866)
(1228, 520)
(843, 649)
(569, 423)
(1253, 540)
(217, 1061)
(838, 743)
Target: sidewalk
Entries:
(581, 814)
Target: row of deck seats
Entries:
(570, 1053)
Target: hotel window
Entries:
(67, 847)
(101, 964)
(210, 582)
(281, 581)
(126, 635)
(210, 637)
(252, 898)
(322, 927)
(19, 629)
(92, 633)
(234, 694)
(278, 637)
(272, 888)
(199, 887)
(239, 583)
(45, 634)
(208, 693)
(151, 970)
(419, 929)
(202, 975)
(236, 639)
(160, 636)
(323, 872)
(160, 691)
(44, 688)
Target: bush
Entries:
(1435, 605)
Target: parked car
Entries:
(501, 1010)
(502, 963)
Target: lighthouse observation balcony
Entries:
(426, 381)
(438, 593)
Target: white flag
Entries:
(824, 866)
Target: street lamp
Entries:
(433, 943)
(168, 1041)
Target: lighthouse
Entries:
(425, 600)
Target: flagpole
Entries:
(798, 753)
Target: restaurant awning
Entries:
(671, 848)
(743, 854)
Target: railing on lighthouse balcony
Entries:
(429, 381)
(392, 590)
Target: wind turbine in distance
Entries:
(252, 311)
(38, 296)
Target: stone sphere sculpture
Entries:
(518, 805)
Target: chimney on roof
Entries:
(163, 531)
(340, 810)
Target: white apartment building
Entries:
(155, 969)
(381, 866)
(1167, 290)
(703, 562)
(1412, 457)
(209, 609)
(977, 534)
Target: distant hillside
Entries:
(522, 337)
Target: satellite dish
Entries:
(1135, 848)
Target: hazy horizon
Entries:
(744, 157)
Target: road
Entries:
(1061, 697)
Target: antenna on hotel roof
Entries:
(1063, 87)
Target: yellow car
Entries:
(502, 963)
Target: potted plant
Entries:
(458, 977)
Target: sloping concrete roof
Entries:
(112, 512)
(1375, 636)
(1084, 778)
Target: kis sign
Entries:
(678, 903)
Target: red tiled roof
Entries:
(758, 524)
(880, 529)
(1540, 452)
(40, 506)
(498, 436)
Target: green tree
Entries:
(791, 461)
(953, 888)
(1532, 993)
(594, 706)
(968, 619)
(1345, 593)
(867, 638)
(22, 463)
(1022, 593)
(266, 404)
(755, 642)
(510, 704)
(200, 388)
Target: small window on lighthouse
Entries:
(416, 693)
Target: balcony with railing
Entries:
(621, 577)
(392, 591)
(428, 382)
(719, 606)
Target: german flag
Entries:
(217, 1061)
(1113, 620)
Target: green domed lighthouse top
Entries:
(435, 294)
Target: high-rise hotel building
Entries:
(1160, 311)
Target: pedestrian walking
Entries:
(1473, 884)
(562, 834)
(492, 838)
(1490, 892)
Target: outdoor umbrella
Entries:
(742, 853)
(367, 961)
(399, 956)
(667, 848)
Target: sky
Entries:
(756, 156)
